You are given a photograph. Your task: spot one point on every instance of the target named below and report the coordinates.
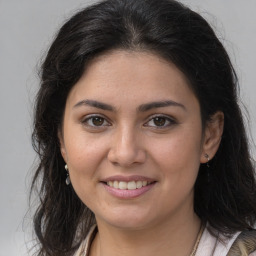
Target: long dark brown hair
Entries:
(225, 194)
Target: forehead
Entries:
(131, 76)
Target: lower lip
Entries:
(126, 193)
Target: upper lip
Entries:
(127, 178)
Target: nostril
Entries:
(126, 156)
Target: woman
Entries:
(141, 141)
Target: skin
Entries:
(128, 140)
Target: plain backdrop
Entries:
(26, 30)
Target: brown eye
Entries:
(95, 121)
(159, 121)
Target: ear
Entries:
(212, 136)
(62, 146)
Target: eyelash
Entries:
(167, 119)
(91, 117)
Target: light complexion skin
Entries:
(133, 141)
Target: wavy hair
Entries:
(226, 199)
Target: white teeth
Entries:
(131, 185)
(115, 184)
(123, 185)
(127, 185)
(139, 184)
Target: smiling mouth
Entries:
(131, 185)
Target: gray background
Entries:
(26, 29)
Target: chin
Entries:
(129, 220)
(129, 225)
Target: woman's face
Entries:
(133, 141)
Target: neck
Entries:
(162, 239)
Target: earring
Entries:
(208, 159)
(208, 167)
(68, 178)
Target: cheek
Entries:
(84, 153)
(179, 155)
(85, 157)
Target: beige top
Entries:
(84, 248)
(208, 245)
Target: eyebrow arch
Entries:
(159, 104)
(141, 108)
(95, 104)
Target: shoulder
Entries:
(84, 248)
(241, 243)
(245, 243)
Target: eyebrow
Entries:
(95, 104)
(159, 104)
(141, 108)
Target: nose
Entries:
(126, 148)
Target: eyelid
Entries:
(171, 120)
(90, 116)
